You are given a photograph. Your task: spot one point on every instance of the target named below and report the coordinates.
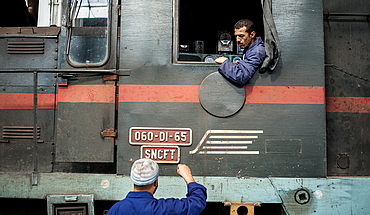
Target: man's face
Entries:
(243, 38)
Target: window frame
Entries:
(69, 35)
(176, 39)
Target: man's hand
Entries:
(185, 173)
(221, 59)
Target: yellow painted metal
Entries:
(235, 205)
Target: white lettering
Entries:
(172, 153)
(183, 136)
(137, 136)
(166, 153)
(154, 154)
(150, 136)
(143, 136)
(162, 136)
(177, 136)
(147, 153)
(160, 154)
(160, 151)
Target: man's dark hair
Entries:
(245, 23)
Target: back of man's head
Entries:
(144, 172)
(245, 23)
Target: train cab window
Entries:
(204, 30)
(88, 33)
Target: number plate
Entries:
(160, 136)
(161, 154)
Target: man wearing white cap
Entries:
(144, 175)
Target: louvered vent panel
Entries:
(21, 47)
(19, 132)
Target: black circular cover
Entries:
(220, 97)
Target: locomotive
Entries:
(90, 86)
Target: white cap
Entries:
(144, 171)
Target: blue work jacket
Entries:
(243, 71)
(142, 202)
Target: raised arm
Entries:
(185, 172)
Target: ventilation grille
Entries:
(19, 132)
(15, 47)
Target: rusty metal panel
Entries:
(29, 47)
(17, 156)
(17, 53)
(16, 124)
(84, 113)
(347, 56)
(16, 109)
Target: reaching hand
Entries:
(221, 59)
(185, 172)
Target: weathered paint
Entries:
(348, 104)
(87, 93)
(287, 104)
(71, 93)
(347, 45)
(327, 195)
(25, 101)
(254, 94)
(173, 93)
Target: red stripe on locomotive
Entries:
(184, 94)
(348, 104)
